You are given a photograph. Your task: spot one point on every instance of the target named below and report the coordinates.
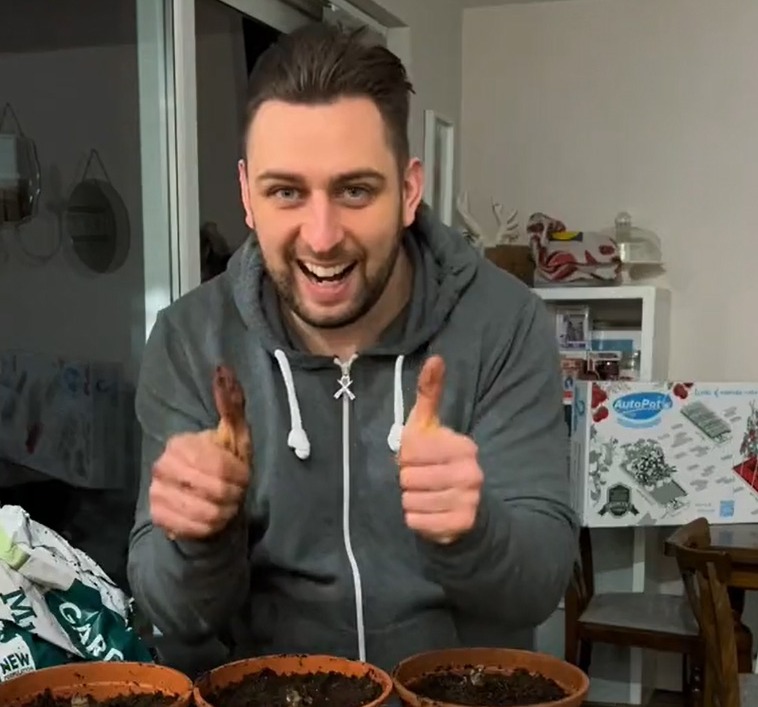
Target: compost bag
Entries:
(56, 604)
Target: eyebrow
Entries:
(293, 178)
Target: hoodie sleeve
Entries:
(514, 566)
(188, 589)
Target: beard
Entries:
(369, 287)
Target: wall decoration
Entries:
(439, 164)
(19, 171)
(96, 222)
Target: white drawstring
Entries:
(297, 438)
(396, 431)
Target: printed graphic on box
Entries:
(664, 453)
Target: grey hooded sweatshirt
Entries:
(320, 560)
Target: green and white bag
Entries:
(22, 652)
(56, 594)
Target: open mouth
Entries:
(322, 275)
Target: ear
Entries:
(245, 194)
(413, 190)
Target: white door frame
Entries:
(360, 17)
(184, 200)
(168, 147)
(168, 122)
(157, 123)
(187, 197)
(274, 13)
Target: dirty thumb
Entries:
(425, 412)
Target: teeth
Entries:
(320, 271)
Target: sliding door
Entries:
(92, 203)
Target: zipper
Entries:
(347, 395)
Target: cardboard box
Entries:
(664, 453)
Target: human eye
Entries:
(356, 195)
(287, 195)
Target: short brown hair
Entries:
(321, 63)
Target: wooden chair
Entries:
(659, 622)
(706, 576)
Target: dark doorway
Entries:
(258, 37)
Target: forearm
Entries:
(189, 590)
(514, 566)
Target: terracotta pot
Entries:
(288, 664)
(101, 680)
(568, 676)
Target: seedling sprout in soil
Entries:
(47, 699)
(267, 688)
(481, 688)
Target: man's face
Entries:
(322, 188)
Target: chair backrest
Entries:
(705, 573)
(582, 585)
(692, 536)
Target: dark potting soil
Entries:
(46, 699)
(480, 689)
(269, 689)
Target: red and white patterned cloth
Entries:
(591, 258)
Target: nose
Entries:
(321, 229)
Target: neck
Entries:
(347, 341)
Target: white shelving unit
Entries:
(623, 557)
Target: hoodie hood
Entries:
(444, 264)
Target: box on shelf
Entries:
(664, 453)
(572, 369)
(594, 350)
(623, 340)
(515, 259)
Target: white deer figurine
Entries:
(507, 229)
(473, 230)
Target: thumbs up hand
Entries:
(439, 473)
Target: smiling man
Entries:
(330, 203)
(409, 483)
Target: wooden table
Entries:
(740, 542)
